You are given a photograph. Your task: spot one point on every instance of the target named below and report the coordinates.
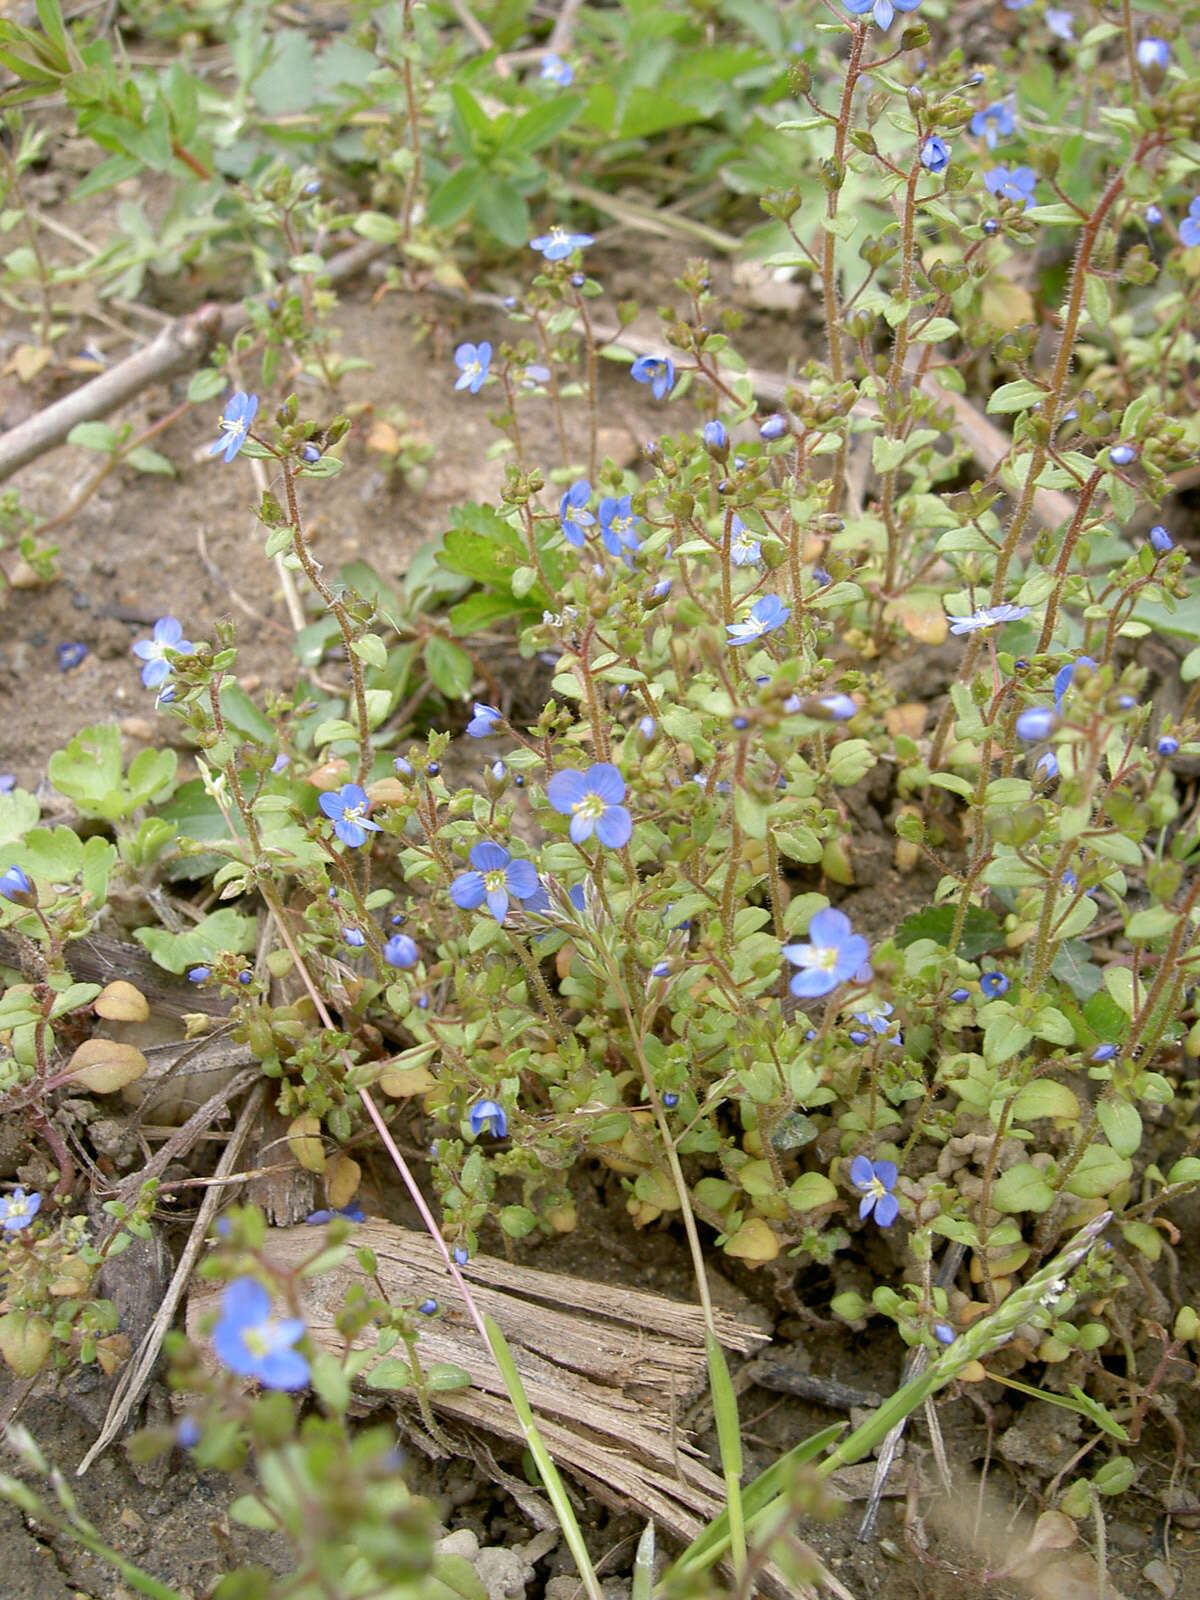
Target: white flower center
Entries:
(494, 880)
(591, 806)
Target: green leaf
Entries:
(219, 932)
(982, 931)
(543, 124)
(1122, 1125)
(142, 459)
(1100, 1171)
(390, 1373)
(1045, 1098)
(452, 200)
(443, 1377)
(449, 666)
(810, 1191)
(1019, 395)
(94, 436)
(1022, 1188)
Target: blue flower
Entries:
(1045, 768)
(994, 122)
(838, 707)
(744, 549)
(834, 954)
(1189, 228)
(1167, 745)
(354, 937)
(765, 616)
(485, 721)
(70, 655)
(877, 1179)
(670, 1099)
(988, 617)
(235, 424)
(1015, 185)
(935, 154)
(487, 1116)
(992, 985)
(8, 782)
(495, 878)
(658, 371)
(1123, 455)
(1060, 23)
(168, 636)
(572, 510)
(401, 951)
(427, 1307)
(882, 10)
(1103, 1052)
(943, 1333)
(1037, 723)
(18, 1209)
(592, 800)
(254, 1344)
(716, 438)
(959, 995)
(773, 428)
(1153, 216)
(1065, 677)
(347, 811)
(558, 243)
(354, 1213)
(556, 70)
(14, 884)
(1161, 541)
(1153, 55)
(461, 1255)
(877, 1018)
(199, 974)
(472, 361)
(617, 524)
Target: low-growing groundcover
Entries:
(787, 830)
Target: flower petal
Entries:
(489, 857)
(862, 1173)
(614, 827)
(605, 781)
(565, 790)
(522, 879)
(467, 890)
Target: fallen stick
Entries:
(605, 1368)
(180, 347)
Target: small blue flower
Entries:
(1060, 23)
(716, 438)
(1153, 216)
(1037, 723)
(988, 617)
(858, 1036)
(994, 122)
(658, 371)
(572, 510)
(1045, 768)
(1065, 677)
(187, 1433)
(773, 428)
(1153, 55)
(765, 616)
(402, 768)
(1121, 455)
(168, 636)
(670, 1099)
(592, 800)
(311, 453)
(70, 655)
(935, 154)
(877, 1179)
(959, 995)
(1167, 746)
(838, 707)
(992, 985)
(558, 243)
(354, 937)
(401, 951)
(1017, 184)
(355, 1214)
(14, 884)
(472, 361)
(18, 1209)
(487, 1116)
(661, 969)
(253, 1344)
(744, 549)
(943, 1333)
(1103, 1052)
(235, 424)
(8, 782)
(882, 10)
(834, 955)
(617, 524)
(1161, 541)
(1189, 228)
(199, 974)
(876, 1019)
(496, 876)
(556, 70)
(530, 377)
(427, 1307)
(485, 721)
(460, 1255)
(347, 811)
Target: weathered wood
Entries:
(606, 1369)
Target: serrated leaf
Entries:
(981, 930)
